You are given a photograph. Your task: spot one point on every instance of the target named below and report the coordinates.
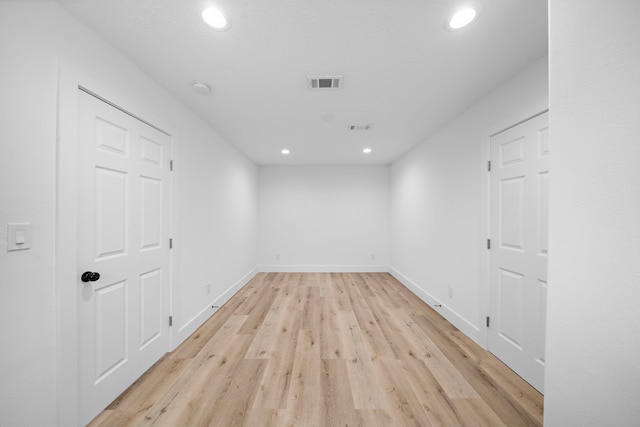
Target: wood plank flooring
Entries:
(327, 349)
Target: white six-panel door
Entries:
(519, 187)
(123, 224)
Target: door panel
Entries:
(151, 152)
(512, 152)
(111, 137)
(123, 231)
(539, 351)
(111, 328)
(519, 188)
(111, 223)
(512, 213)
(151, 217)
(150, 306)
(510, 310)
(543, 214)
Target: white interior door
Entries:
(123, 224)
(519, 188)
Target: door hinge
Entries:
(489, 166)
(171, 165)
(488, 321)
(170, 243)
(170, 320)
(488, 243)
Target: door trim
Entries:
(521, 116)
(70, 81)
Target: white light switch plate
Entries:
(18, 236)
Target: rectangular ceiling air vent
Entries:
(361, 127)
(325, 82)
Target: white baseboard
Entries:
(454, 318)
(324, 268)
(189, 327)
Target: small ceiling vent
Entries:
(361, 127)
(325, 82)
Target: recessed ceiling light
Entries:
(201, 87)
(461, 19)
(366, 150)
(285, 151)
(215, 19)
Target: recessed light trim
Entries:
(215, 19)
(285, 151)
(367, 150)
(461, 18)
(201, 87)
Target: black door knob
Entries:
(88, 276)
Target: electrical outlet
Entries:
(373, 256)
(450, 292)
(208, 288)
(277, 256)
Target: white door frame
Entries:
(69, 81)
(530, 112)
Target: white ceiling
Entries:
(403, 72)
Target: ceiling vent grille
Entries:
(325, 82)
(361, 127)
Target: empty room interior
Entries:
(310, 213)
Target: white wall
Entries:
(436, 203)
(214, 185)
(593, 335)
(217, 198)
(323, 218)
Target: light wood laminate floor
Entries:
(327, 349)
